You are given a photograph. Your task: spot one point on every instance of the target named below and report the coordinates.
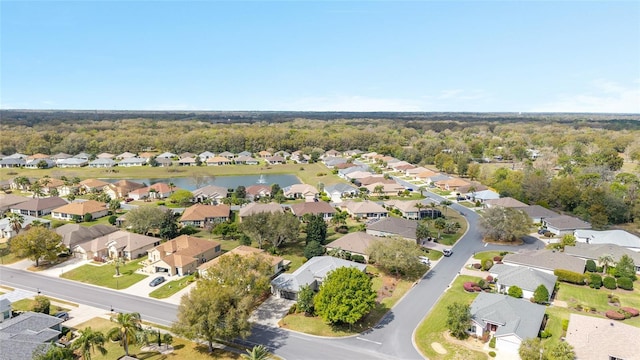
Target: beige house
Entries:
(182, 255)
(301, 191)
(256, 208)
(69, 211)
(201, 215)
(354, 243)
(364, 209)
(92, 185)
(277, 262)
(596, 338)
(121, 188)
(118, 244)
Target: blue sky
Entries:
(561, 56)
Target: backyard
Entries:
(103, 274)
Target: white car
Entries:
(447, 252)
(425, 260)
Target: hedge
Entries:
(492, 353)
(591, 266)
(634, 312)
(595, 281)
(358, 258)
(609, 282)
(569, 276)
(487, 264)
(625, 283)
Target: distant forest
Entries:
(587, 163)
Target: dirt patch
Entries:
(387, 289)
(470, 343)
(437, 347)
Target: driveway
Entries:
(271, 311)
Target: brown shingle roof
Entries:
(41, 203)
(201, 212)
(314, 208)
(507, 202)
(356, 242)
(243, 250)
(81, 208)
(186, 245)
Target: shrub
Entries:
(569, 276)
(492, 353)
(492, 342)
(515, 291)
(489, 278)
(565, 324)
(591, 266)
(609, 282)
(482, 284)
(343, 229)
(541, 295)
(41, 305)
(497, 258)
(612, 314)
(487, 264)
(614, 300)
(595, 281)
(189, 230)
(634, 312)
(625, 283)
(469, 286)
(358, 258)
(112, 219)
(477, 266)
(545, 334)
(293, 309)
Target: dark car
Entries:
(62, 315)
(157, 281)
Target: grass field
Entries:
(184, 349)
(432, 328)
(104, 275)
(171, 287)
(7, 257)
(28, 304)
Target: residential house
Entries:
(413, 172)
(133, 161)
(8, 200)
(282, 153)
(105, 155)
(537, 213)
(60, 156)
(205, 155)
(471, 188)
(505, 202)
(337, 191)
(275, 160)
(51, 185)
(255, 192)
(277, 263)
(343, 173)
(301, 191)
(187, 161)
(264, 154)
(429, 176)
(392, 226)
(72, 163)
(201, 215)
(16, 156)
(246, 160)
(245, 153)
(83, 155)
(121, 188)
(594, 338)
(414, 209)
(564, 224)
(385, 189)
(227, 154)
(218, 161)
(39, 164)
(102, 163)
(595, 251)
(483, 196)
(12, 163)
(321, 208)
(373, 179)
(6, 228)
(125, 155)
(76, 234)
(154, 191)
(546, 260)
(210, 193)
(526, 278)
(333, 153)
(182, 255)
(38, 207)
(353, 153)
(92, 185)
(616, 237)
(5, 309)
(332, 162)
(166, 155)
(355, 243)
(364, 209)
(509, 320)
(164, 162)
(27, 334)
(344, 166)
(256, 208)
(311, 274)
(187, 154)
(79, 210)
(117, 244)
(356, 175)
(402, 166)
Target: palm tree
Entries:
(88, 342)
(379, 189)
(52, 352)
(606, 260)
(420, 206)
(445, 203)
(128, 325)
(171, 187)
(16, 221)
(258, 352)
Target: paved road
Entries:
(391, 339)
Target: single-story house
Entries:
(276, 262)
(483, 195)
(389, 189)
(510, 320)
(166, 155)
(337, 191)
(256, 208)
(67, 212)
(105, 155)
(125, 155)
(616, 237)
(265, 154)
(452, 184)
(72, 162)
(393, 226)
(506, 202)
(564, 224)
(245, 153)
(364, 209)
(355, 243)
(27, 333)
(8, 200)
(526, 278)
(227, 154)
(60, 156)
(275, 160)
(211, 193)
(39, 164)
(182, 255)
(39, 206)
(75, 234)
(187, 154)
(311, 273)
(301, 191)
(201, 215)
(205, 155)
(409, 209)
(246, 160)
(595, 251)
(218, 161)
(546, 260)
(187, 161)
(92, 185)
(121, 188)
(118, 244)
(102, 163)
(133, 161)
(6, 228)
(596, 338)
(12, 163)
(537, 213)
(164, 162)
(155, 191)
(5, 308)
(314, 208)
(331, 161)
(255, 192)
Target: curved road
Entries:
(392, 338)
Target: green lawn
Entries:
(7, 257)
(434, 325)
(104, 275)
(450, 215)
(433, 255)
(172, 287)
(481, 256)
(28, 304)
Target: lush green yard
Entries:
(481, 256)
(28, 304)
(103, 275)
(450, 215)
(6, 256)
(434, 325)
(172, 287)
(184, 349)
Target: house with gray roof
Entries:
(525, 278)
(616, 237)
(39, 164)
(311, 273)
(8, 200)
(72, 162)
(60, 156)
(211, 193)
(12, 162)
(76, 234)
(246, 160)
(132, 161)
(227, 154)
(245, 153)
(537, 213)
(331, 162)
(354, 243)
(392, 226)
(102, 163)
(5, 308)
(483, 195)
(344, 172)
(337, 191)
(564, 224)
(83, 156)
(7, 231)
(20, 336)
(507, 202)
(510, 320)
(546, 260)
(16, 156)
(166, 155)
(205, 155)
(595, 251)
(256, 208)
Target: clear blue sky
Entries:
(332, 55)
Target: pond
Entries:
(230, 182)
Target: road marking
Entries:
(485, 244)
(367, 340)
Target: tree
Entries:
(473, 171)
(114, 206)
(128, 325)
(313, 249)
(515, 291)
(181, 197)
(345, 296)
(38, 243)
(15, 221)
(316, 229)
(440, 224)
(562, 351)
(626, 267)
(88, 342)
(398, 256)
(445, 205)
(422, 231)
(531, 349)
(379, 190)
(220, 305)
(504, 224)
(167, 338)
(458, 319)
(42, 305)
(87, 217)
(113, 219)
(305, 299)
(52, 352)
(169, 226)
(144, 219)
(225, 229)
(568, 240)
(541, 295)
(340, 218)
(258, 352)
(241, 192)
(277, 228)
(606, 260)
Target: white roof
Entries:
(616, 237)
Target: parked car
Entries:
(425, 260)
(62, 315)
(157, 281)
(447, 252)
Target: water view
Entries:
(230, 182)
